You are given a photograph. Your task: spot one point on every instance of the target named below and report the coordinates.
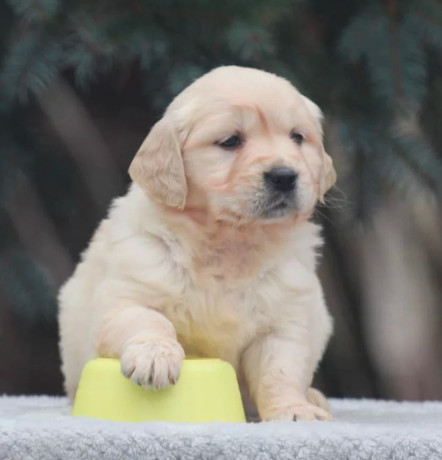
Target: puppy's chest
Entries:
(223, 307)
(216, 319)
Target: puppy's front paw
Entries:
(154, 363)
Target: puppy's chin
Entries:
(278, 211)
(282, 209)
(275, 206)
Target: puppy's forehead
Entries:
(241, 82)
(240, 87)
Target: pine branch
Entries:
(30, 66)
(35, 11)
(249, 42)
(394, 54)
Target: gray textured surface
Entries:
(41, 428)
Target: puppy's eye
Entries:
(297, 137)
(231, 142)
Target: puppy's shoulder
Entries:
(134, 214)
(140, 245)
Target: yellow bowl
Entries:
(206, 391)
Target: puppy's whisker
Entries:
(334, 199)
(339, 206)
(336, 188)
(335, 202)
(322, 215)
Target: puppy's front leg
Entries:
(146, 343)
(278, 371)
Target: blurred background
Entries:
(82, 82)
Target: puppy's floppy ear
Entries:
(158, 166)
(328, 174)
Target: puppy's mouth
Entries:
(281, 205)
(276, 207)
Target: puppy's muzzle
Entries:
(281, 179)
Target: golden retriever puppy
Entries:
(211, 252)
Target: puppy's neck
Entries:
(231, 252)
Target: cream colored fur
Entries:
(187, 262)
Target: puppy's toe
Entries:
(315, 397)
(297, 410)
(307, 411)
(154, 363)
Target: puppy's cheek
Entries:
(224, 204)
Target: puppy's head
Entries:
(239, 143)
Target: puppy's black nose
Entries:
(281, 178)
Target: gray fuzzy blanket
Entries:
(41, 428)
